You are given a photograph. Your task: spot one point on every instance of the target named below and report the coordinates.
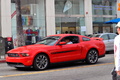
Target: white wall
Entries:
(6, 18)
(88, 16)
(50, 17)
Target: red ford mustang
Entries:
(54, 49)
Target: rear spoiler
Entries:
(97, 38)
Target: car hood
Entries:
(28, 48)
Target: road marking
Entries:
(52, 70)
(1, 76)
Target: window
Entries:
(112, 36)
(33, 20)
(68, 8)
(73, 39)
(104, 7)
(85, 39)
(49, 40)
(105, 37)
(75, 7)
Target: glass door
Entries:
(71, 25)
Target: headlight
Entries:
(24, 54)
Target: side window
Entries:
(112, 36)
(105, 37)
(85, 39)
(73, 39)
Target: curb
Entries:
(2, 61)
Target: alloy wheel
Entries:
(92, 56)
(41, 62)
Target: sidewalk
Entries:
(2, 59)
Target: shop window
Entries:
(69, 7)
(104, 7)
(33, 20)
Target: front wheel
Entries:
(41, 62)
(92, 56)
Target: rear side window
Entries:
(85, 39)
(112, 36)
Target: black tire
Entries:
(92, 56)
(41, 62)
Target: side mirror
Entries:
(62, 43)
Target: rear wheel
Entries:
(92, 56)
(41, 62)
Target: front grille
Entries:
(15, 64)
(13, 55)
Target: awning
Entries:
(113, 21)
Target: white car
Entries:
(108, 39)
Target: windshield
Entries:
(49, 40)
(95, 35)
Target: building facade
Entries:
(47, 17)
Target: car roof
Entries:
(62, 35)
(104, 33)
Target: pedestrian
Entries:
(116, 71)
(66, 32)
(68, 41)
(71, 32)
(29, 33)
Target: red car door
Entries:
(66, 52)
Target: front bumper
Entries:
(16, 64)
(19, 61)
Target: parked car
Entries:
(53, 49)
(108, 39)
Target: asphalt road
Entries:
(71, 71)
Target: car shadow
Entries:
(61, 66)
(110, 52)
